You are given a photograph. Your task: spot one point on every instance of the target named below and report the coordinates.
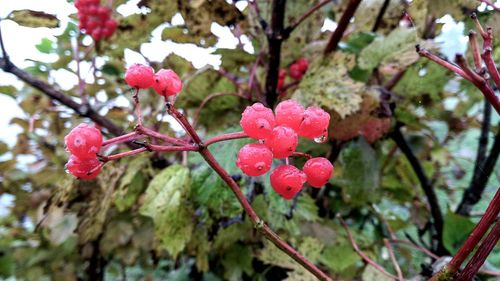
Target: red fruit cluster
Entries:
(83, 143)
(278, 134)
(165, 82)
(95, 19)
(296, 71)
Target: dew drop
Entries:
(320, 139)
(66, 171)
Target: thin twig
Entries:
(332, 44)
(394, 260)
(137, 107)
(311, 11)
(360, 253)
(380, 15)
(430, 194)
(301, 154)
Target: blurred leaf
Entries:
(166, 203)
(8, 90)
(396, 50)
(233, 59)
(339, 257)
(32, 18)
(456, 229)
(46, 46)
(370, 273)
(360, 176)
(236, 260)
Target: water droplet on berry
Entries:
(66, 171)
(320, 139)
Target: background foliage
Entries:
(169, 217)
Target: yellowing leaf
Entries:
(32, 18)
(166, 202)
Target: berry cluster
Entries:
(165, 82)
(84, 142)
(95, 19)
(278, 138)
(296, 71)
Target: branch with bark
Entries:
(437, 217)
(346, 17)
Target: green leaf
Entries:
(233, 59)
(339, 257)
(8, 90)
(236, 260)
(166, 202)
(360, 176)
(3, 147)
(357, 42)
(32, 18)
(456, 229)
(46, 46)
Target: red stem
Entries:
(154, 147)
(454, 68)
(476, 54)
(301, 154)
(361, 254)
(123, 154)
(481, 254)
(477, 233)
(225, 137)
(168, 139)
(121, 139)
(490, 65)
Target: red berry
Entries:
(315, 123)
(167, 83)
(289, 113)
(97, 34)
(295, 72)
(257, 121)
(287, 180)
(282, 73)
(318, 171)
(92, 24)
(254, 159)
(282, 142)
(139, 76)
(83, 168)
(84, 141)
(303, 64)
(281, 82)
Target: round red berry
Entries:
(257, 121)
(254, 159)
(315, 123)
(282, 142)
(84, 141)
(287, 180)
(318, 171)
(295, 72)
(289, 113)
(83, 168)
(303, 64)
(139, 76)
(167, 83)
